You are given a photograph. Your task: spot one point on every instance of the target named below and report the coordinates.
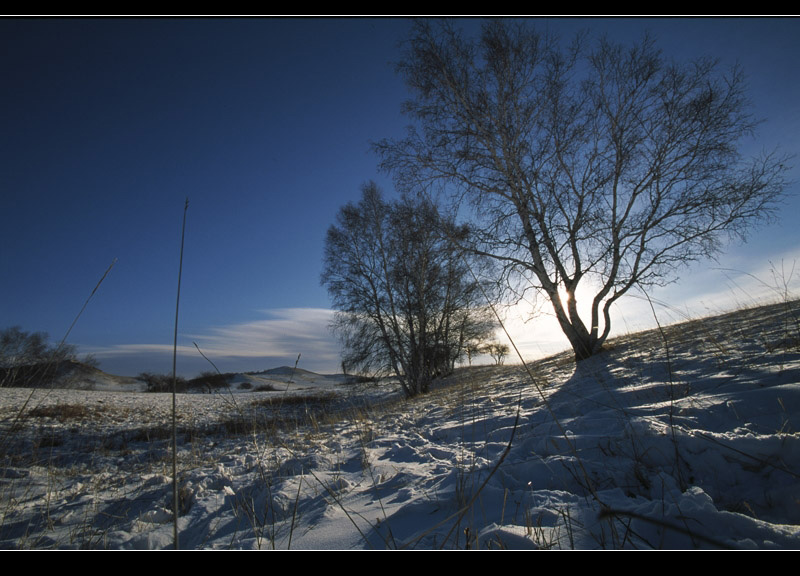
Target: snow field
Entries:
(684, 440)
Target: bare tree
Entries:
(26, 358)
(599, 166)
(405, 299)
(498, 351)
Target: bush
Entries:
(207, 381)
(265, 388)
(162, 382)
(210, 381)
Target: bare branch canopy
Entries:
(406, 300)
(589, 164)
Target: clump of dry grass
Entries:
(319, 398)
(61, 412)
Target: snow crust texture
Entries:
(682, 439)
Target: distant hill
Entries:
(75, 375)
(288, 371)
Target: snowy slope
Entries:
(687, 439)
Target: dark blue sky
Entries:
(265, 124)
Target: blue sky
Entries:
(265, 125)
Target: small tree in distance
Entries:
(498, 351)
(406, 300)
(600, 167)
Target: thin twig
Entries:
(612, 513)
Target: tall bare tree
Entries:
(592, 165)
(406, 301)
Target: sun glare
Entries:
(532, 325)
(583, 297)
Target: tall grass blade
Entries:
(175, 502)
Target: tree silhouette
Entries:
(594, 165)
(406, 301)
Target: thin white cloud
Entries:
(274, 340)
(284, 332)
(133, 349)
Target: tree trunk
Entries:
(584, 343)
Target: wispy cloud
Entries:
(275, 339)
(283, 332)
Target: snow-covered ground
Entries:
(687, 441)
